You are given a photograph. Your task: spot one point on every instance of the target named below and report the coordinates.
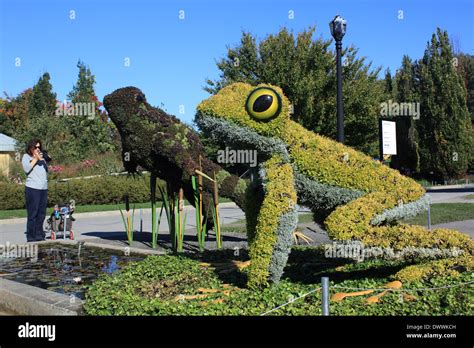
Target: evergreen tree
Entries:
(465, 65)
(388, 84)
(466, 69)
(305, 69)
(407, 159)
(444, 126)
(83, 90)
(43, 100)
(92, 131)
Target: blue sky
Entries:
(170, 58)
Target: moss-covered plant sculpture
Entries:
(167, 148)
(357, 197)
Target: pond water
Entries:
(67, 269)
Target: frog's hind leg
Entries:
(270, 229)
(353, 222)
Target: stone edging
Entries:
(24, 299)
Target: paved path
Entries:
(466, 226)
(451, 195)
(107, 227)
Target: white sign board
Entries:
(389, 138)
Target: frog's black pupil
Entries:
(262, 103)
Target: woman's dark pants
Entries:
(36, 201)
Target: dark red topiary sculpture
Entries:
(163, 145)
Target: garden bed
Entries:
(213, 284)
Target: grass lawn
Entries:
(445, 212)
(20, 213)
(440, 213)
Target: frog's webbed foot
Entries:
(298, 235)
(372, 299)
(271, 222)
(227, 267)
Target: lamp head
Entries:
(338, 27)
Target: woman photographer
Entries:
(35, 165)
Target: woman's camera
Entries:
(45, 155)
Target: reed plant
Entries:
(127, 219)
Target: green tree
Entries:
(15, 113)
(444, 126)
(465, 65)
(31, 114)
(91, 130)
(305, 69)
(407, 159)
(388, 84)
(5, 122)
(43, 99)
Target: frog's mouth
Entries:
(228, 133)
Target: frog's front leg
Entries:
(270, 231)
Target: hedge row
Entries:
(100, 190)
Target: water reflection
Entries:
(59, 267)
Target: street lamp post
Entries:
(338, 30)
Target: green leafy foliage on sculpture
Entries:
(357, 197)
(160, 143)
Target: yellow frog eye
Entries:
(263, 104)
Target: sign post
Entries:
(387, 138)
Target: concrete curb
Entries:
(110, 247)
(447, 187)
(106, 213)
(24, 299)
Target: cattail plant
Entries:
(167, 204)
(180, 222)
(155, 220)
(174, 209)
(200, 224)
(154, 231)
(215, 214)
(214, 206)
(128, 220)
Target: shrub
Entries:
(436, 268)
(100, 190)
